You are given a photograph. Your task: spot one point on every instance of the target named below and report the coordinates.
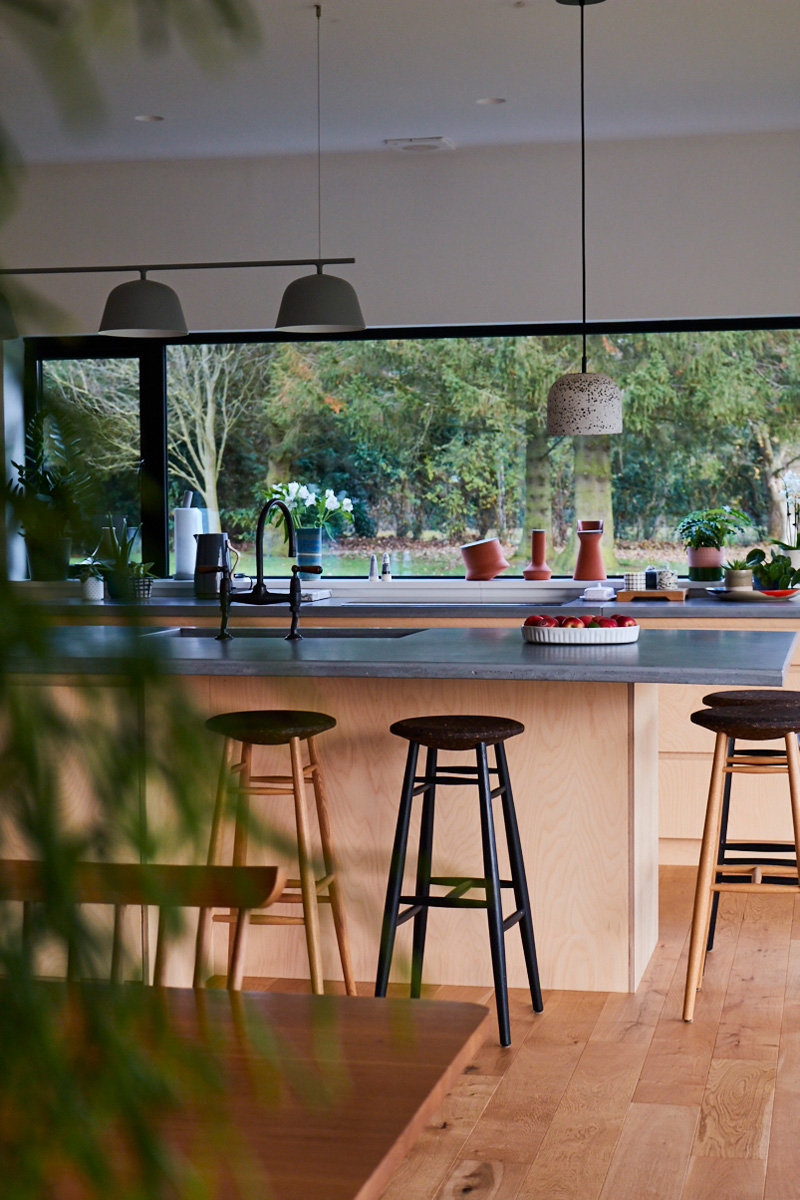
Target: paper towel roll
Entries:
(188, 522)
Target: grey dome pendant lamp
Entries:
(143, 308)
(585, 403)
(319, 303)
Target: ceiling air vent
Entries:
(420, 145)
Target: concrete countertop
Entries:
(707, 657)
(696, 608)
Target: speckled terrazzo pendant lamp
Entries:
(583, 402)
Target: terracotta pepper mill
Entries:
(590, 556)
(537, 568)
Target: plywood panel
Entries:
(759, 803)
(570, 772)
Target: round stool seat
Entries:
(456, 732)
(270, 726)
(748, 722)
(751, 696)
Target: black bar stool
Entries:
(459, 733)
(760, 852)
(749, 722)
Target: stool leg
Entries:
(521, 897)
(329, 857)
(242, 808)
(395, 884)
(793, 764)
(723, 841)
(308, 882)
(423, 885)
(203, 942)
(705, 873)
(494, 910)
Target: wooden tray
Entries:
(653, 594)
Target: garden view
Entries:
(439, 441)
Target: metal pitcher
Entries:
(213, 555)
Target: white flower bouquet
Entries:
(311, 508)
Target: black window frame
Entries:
(152, 356)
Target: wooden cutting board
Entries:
(653, 594)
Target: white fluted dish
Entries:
(585, 637)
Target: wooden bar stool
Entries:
(279, 727)
(730, 851)
(750, 722)
(459, 733)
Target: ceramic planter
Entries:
(705, 563)
(309, 552)
(537, 568)
(483, 560)
(92, 588)
(739, 581)
(590, 556)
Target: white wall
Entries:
(686, 227)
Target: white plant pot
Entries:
(794, 558)
(92, 589)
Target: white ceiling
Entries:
(415, 68)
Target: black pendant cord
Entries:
(583, 199)
(318, 10)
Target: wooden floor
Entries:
(606, 1096)
(613, 1097)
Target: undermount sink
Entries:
(250, 631)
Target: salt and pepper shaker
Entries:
(651, 578)
(373, 568)
(386, 570)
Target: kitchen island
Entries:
(585, 773)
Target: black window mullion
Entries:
(153, 487)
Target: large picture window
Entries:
(438, 437)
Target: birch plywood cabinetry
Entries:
(575, 772)
(685, 754)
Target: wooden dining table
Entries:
(322, 1096)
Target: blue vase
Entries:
(309, 551)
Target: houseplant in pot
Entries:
(738, 575)
(313, 510)
(51, 496)
(791, 546)
(704, 533)
(775, 573)
(125, 579)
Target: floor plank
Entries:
(483, 1181)
(736, 1108)
(652, 1154)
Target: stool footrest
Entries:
(513, 920)
(260, 919)
(422, 784)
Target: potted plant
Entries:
(50, 496)
(126, 580)
(704, 533)
(738, 575)
(90, 574)
(791, 546)
(312, 511)
(775, 573)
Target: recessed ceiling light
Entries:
(491, 100)
(417, 145)
(148, 117)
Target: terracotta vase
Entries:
(590, 556)
(483, 560)
(537, 568)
